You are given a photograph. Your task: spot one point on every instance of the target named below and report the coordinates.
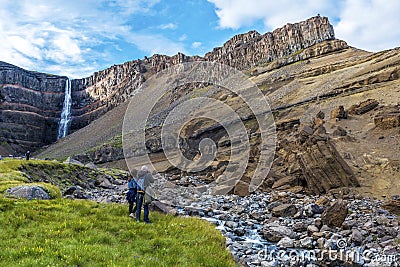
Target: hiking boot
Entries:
(132, 215)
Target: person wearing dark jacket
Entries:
(144, 179)
(27, 155)
(131, 195)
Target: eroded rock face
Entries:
(252, 48)
(30, 107)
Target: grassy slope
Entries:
(63, 232)
(83, 233)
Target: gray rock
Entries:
(239, 231)
(312, 229)
(70, 160)
(274, 204)
(300, 227)
(357, 237)
(104, 182)
(318, 223)
(90, 165)
(269, 264)
(285, 210)
(231, 224)
(28, 192)
(307, 242)
(286, 242)
(276, 233)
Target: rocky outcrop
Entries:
(388, 118)
(322, 167)
(309, 159)
(251, 49)
(339, 113)
(363, 107)
(28, 192)
(335, 214)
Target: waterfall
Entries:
(66, 111)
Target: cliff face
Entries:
(97, 94)
(249, 49)
(31, 103)
(30, 107)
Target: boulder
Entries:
(276, 233)
(339, 113)
(387, 121)
(340, 132)
(91, 165)
(335, 215)
(70, 160)
(221, 190)
(241, 189)
(393, 206)
(163, 207)
(285, 210)
(286, 242)
(357, 237)
(104, 182)
(29, 192)
(363, 107)
(323, 168)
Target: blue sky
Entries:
(77, 38)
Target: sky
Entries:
(78, 37)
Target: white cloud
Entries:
(59, 35)
(128, 7)
(196, 45)
(182, 38)
(367, 24)
(371, 25)
(169, 26)
(156, 44)
(237, 13)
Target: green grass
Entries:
(82, 233)
(63, 232)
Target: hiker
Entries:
(143, 198)
(131, 194)
(28, 155)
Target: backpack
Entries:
(140, 183)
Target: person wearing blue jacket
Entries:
(132, 192)
(143, 198)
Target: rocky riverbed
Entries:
(278, 228)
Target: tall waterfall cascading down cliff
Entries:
(66, 111)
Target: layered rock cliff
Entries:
(31, 103)
(30, 107)
(251, 49)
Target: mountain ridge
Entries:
(97, 94)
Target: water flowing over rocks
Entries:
(256, 236)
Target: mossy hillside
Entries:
(12, 176)
(83, 233)
(50, 175)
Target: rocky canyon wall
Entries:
(30, 107)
